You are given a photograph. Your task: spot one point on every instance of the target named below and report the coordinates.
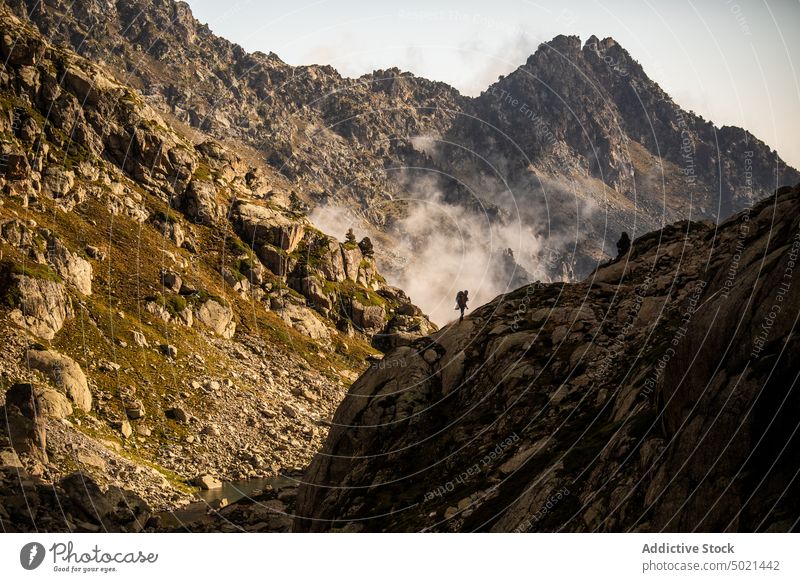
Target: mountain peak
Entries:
(565, 45)
(594, 43)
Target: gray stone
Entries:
(123, 426)
(73, 269)
(134, 410)
(43, 305)
(140, 339)
(208, 482)
(169, 350)
(54, 404)
(171, 281)
(65, 374)
(217, 317)
(177, 414)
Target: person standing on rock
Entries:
(623, 245)
(461, 303)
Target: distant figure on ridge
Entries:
(461, 302)
(623, 245)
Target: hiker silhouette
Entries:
(623, 245)
(461, 302)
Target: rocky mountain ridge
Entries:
(575, 126)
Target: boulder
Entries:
(177, 414)
(73, 269)
(65, 373)
(57, 182)
(199, 202)
(311, 288)
(236, 280)
(95, 253)
(169, 350)
(21, 49)
(254, 272)
(259, 226)
(304, 320)
(368, 318)
(123, 426)
(207, 482)
(18, 234)
(54, 404)
(10, 458)
(170, 229)
(24, 423)
(42, 304)
(134, 410)
(217, 317)
(171, 281)
(17, 167)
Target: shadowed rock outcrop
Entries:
(658, 394)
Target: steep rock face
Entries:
(581, 135)
(658, 394)
(208, 183)
(214, 85)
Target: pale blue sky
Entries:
(735, 62)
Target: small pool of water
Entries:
(233, 491)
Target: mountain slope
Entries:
(658, 394)
(573, 147)
(167, 309)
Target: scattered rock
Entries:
(95, 253)
(134, 410)
(169, 350)
(177, 414)
(140, 339)
(123, 426)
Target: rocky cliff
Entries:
(659, 394)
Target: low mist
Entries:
(441, 248)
